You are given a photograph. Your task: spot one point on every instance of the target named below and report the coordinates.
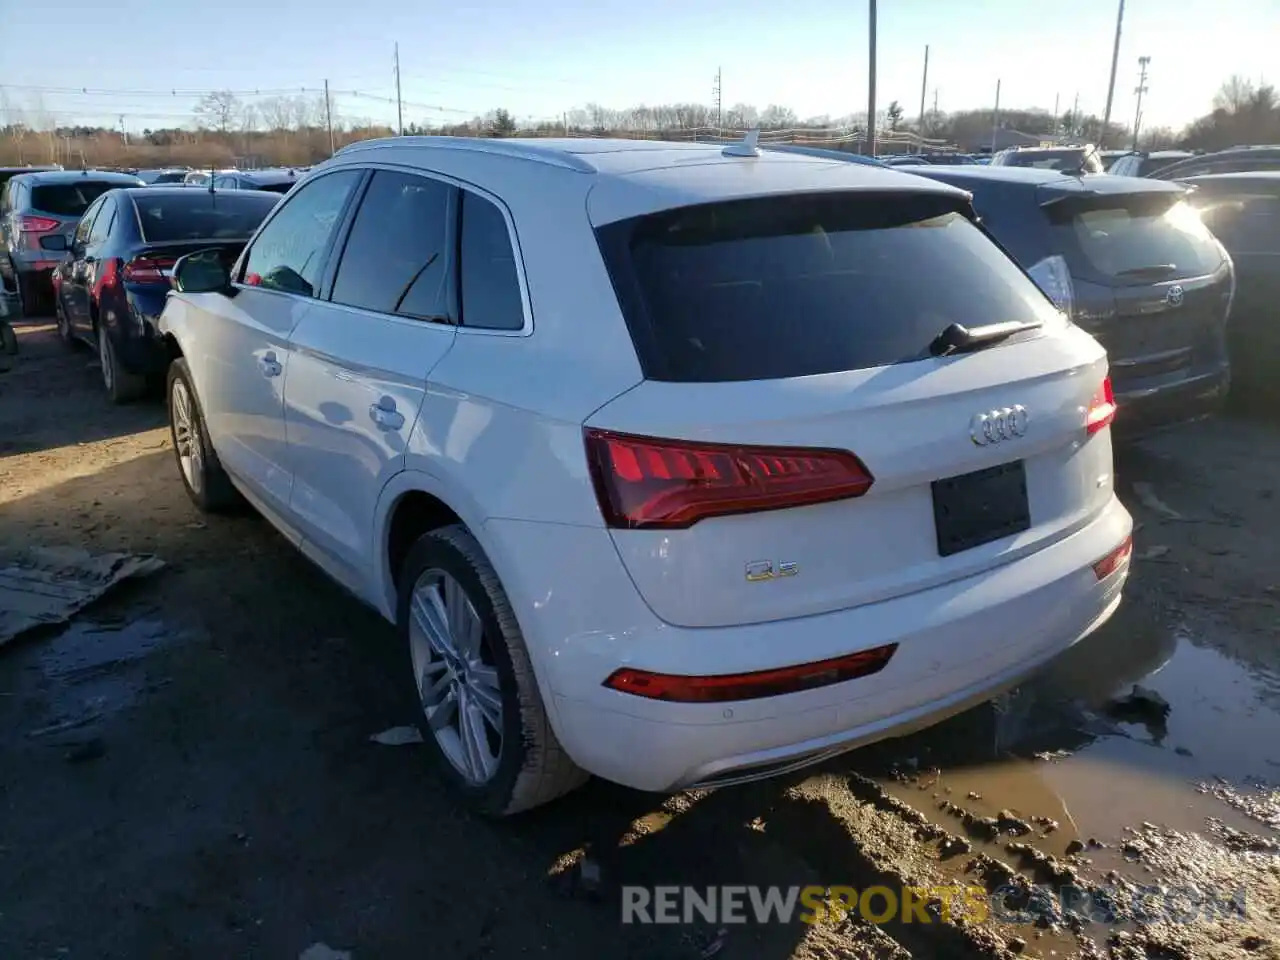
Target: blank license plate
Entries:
(977, 508)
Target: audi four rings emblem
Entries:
(1174, 296)
(997, 425)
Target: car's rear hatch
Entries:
(60, 206)
(803, 325)
(1150, 281)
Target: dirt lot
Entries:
(222, 798)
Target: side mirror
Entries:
(201, 272)
(57, 242)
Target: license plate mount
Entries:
(972, 509)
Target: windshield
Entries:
(199, 215)
(69, 199)
(788, 287)
(1139, 238)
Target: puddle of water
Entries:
(1107, 775)
(94, 668)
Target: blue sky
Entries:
(539, 59)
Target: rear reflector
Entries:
(1102, 409)
(37, 225)
(750, 686)
(1114, 560)
(148, 269)
(645, 483)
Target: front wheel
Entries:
(207, 484)
(479, 707)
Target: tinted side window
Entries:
(86, 223)
(396, 259)
(1245, 223)
(289, 252)
(103, 222)
(489, 286)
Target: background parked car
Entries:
(164, 175)
(1243, 211)
(203, 176)
(1144, 164)
(112, 285)
(276, 181)
(1076, 160)
(1132, 264)
(35, 209)
(1235, 160)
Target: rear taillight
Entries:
(1102, 409)
(110, 275)
(1114, 560)
(1054, 278)
(646, 483)
(750, 686)
(30, 224)
(147, 270)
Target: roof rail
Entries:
(514, 147)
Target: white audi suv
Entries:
(678, 464)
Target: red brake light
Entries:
(750, 686)
(1102, 409)
(1113, 560)
(37, 225)
(110, 275)
(646, 483)
(148, 269)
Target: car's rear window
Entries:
(200, 215)
(1140, 238)
(177, 177)
(283, 186)
(793, 286)
(69, 199)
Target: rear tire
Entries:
(64, 325)
(494, 684)
(206, 483)
(121, 385)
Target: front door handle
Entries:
(385, 414)
(269, 365)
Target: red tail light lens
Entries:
(148, 269)
(646, 483)
(37, 225)
(750, 686)
(1114, 560)
(1102, 409)
(110, 275)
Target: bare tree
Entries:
(277, 112)
(1234, 95)
(777, 118)
(218, 111)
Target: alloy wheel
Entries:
(186, 434)
(457, 680)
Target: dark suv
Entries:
(34, 207)
(1131, 262)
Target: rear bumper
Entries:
(139, 346)
(1145, 410)
(958, 644)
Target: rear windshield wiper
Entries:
(1156, 269)
(961, 339)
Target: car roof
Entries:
(629, 178)
(1059, 182)
(187, 190)
(1261, 178)
(826, 152)
(73, 176)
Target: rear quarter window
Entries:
(794, 286)
(68, 199)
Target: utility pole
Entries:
(328, 116)
(1056, 121)
(1111, 86)
(924, 86)
(399, 106)
(995, 119)
(871, 81)
(1142, 88)
(715, 100)
(124, 134)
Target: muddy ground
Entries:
(213, 792)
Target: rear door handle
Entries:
(385, 414)
(269, 365)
